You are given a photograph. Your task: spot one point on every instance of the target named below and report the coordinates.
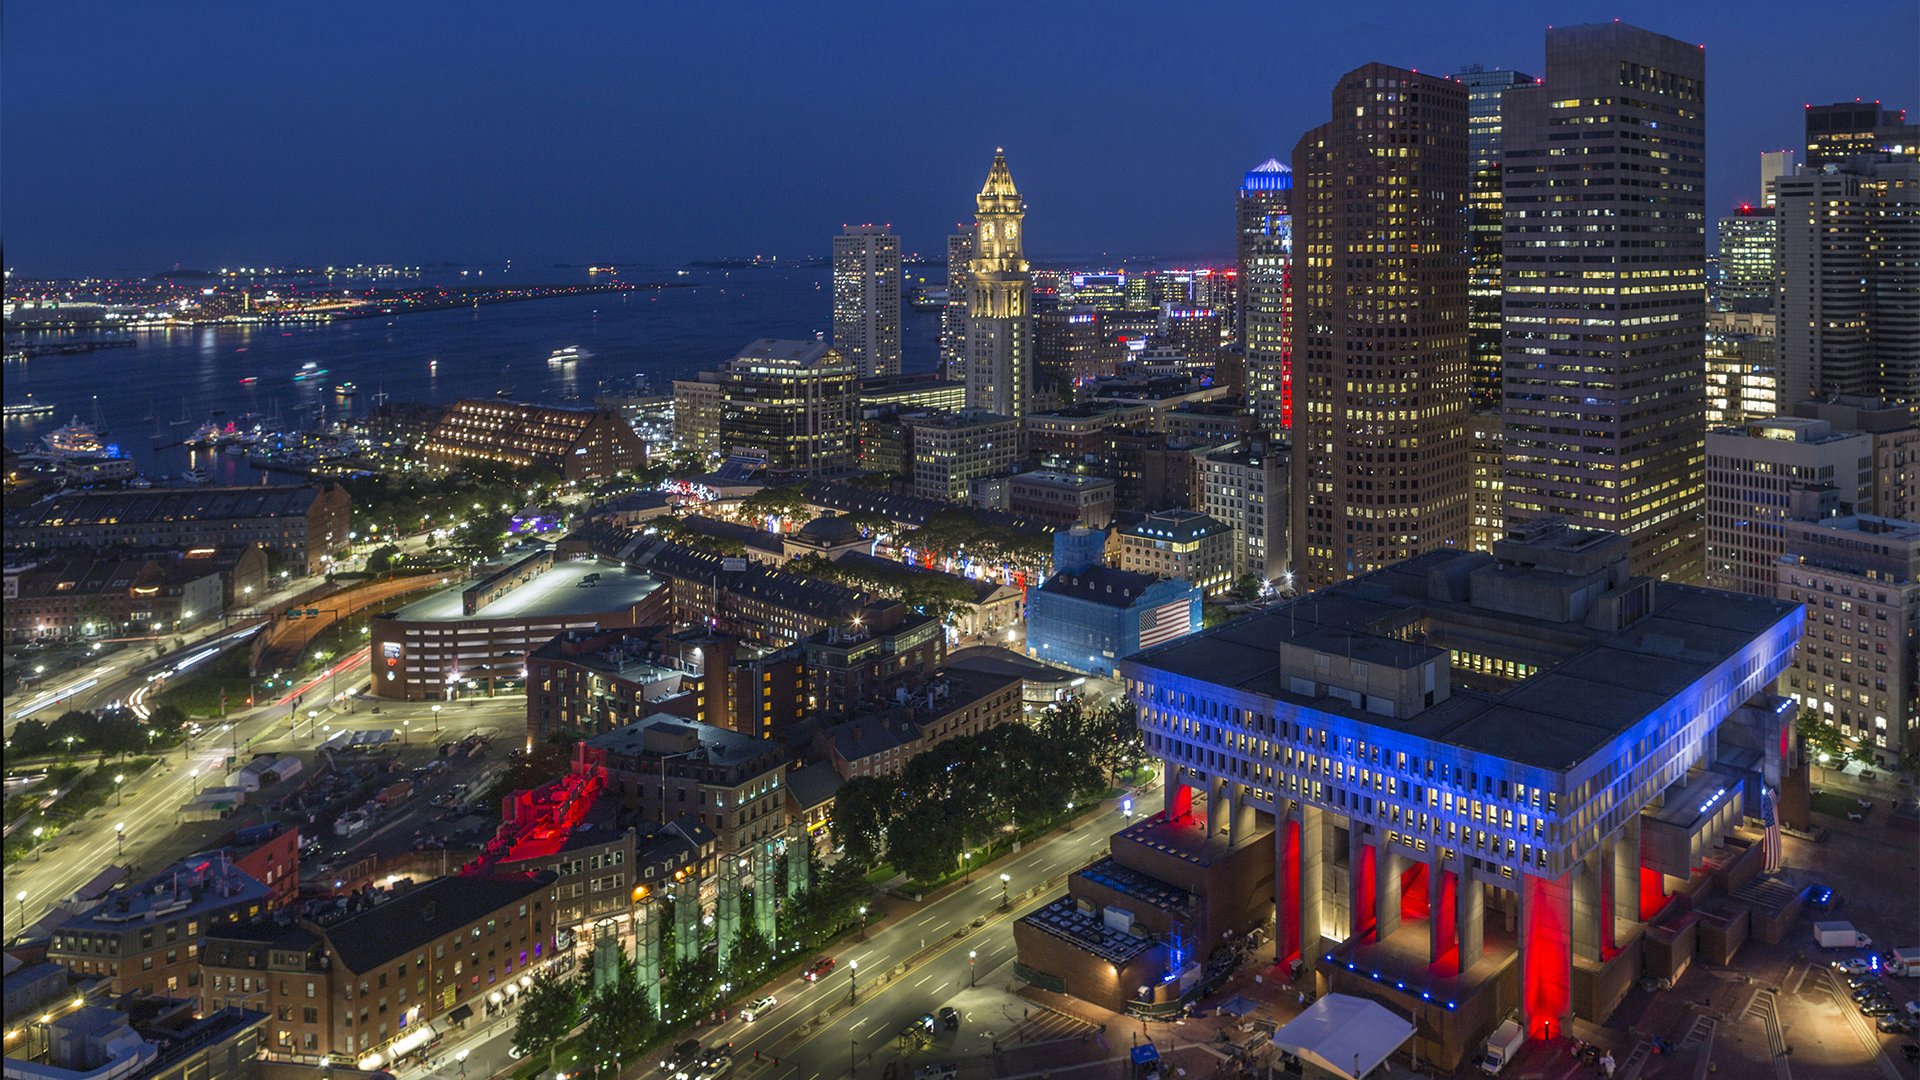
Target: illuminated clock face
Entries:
(1012, 231)
(986, 231)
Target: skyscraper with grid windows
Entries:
(1485, 91)
(1604, 270)
(1380, 326)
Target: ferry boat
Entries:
(346, 389)
(568, 355)
(196, 475)
(30, 407)
(309, 370)
(204, 435)
(249, 380)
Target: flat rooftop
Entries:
(558, 593)
(1064, 920)
(1593, 684)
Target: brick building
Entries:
(302, 525)
(576, 443)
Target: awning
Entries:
(1347, 1036)
(370, 1062)
(1145, 1053)
(422, 1034)
(461, 1014)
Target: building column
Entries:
(1441, 935)
(1312, 853)
(1546, 954)
(1216, 805)
(1286, 881)
(1242, 810)
(1386, 888)
(1359, 882)
(1469, 915)
(1625, 892)
(1586, 906)
(1176, 798)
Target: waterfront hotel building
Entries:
(1483, 775)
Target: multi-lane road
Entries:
(968, 973)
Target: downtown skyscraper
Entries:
(999, 300)
(1263, 250)
(866, 299)
(1379, 468)
(953, 319)
(1485, 92)
(1849, 279)
(1605, 292)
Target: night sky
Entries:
(145, 135)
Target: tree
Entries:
(97, 617)
(786, 501)
(1825, 745)
(29, 737)
(869, 522)
(1247, 588)
(548, 1012)
(862, 809)
(877, 481)
(382, 559)
(619, 1020)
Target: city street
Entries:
(887, 1000)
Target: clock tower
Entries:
(999, 346)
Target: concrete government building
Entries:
(1476, 779)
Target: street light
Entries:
(863, 923)
(120, 834)
(193, 777)
(1069, 815)
(970, 969)
(117, 780)
(462, 1058)
(404, 725)
(853, 972)
(20, 901)
(436, 719)
(1004, 880)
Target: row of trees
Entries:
(620, 1023)
(107, 733)
(958, 534)
(942, 596)
(963, 793)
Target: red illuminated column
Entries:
(1179, 797)
(1440, 928)
(1546, 954)
(1360, 883)
(1312, 852)
(1469, 916)
(1286, 885)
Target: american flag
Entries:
(1772, 820)
(1164, 623)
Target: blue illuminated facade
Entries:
(1421, 741)
(1086, 616)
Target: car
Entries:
(1866, 993)
(1862, 979)
(1895, 1025)
(713, 1068)
(757, 1008)
(1855, 966)
(940, 1070)
(949, 1018)
(681, 1053)
(1913, 1009)
(515, 1052)
(1876, 1007)
(818, 969)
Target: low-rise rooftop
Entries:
(574, 587)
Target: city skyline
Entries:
(481, 140)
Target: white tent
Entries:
(1347, 1036)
